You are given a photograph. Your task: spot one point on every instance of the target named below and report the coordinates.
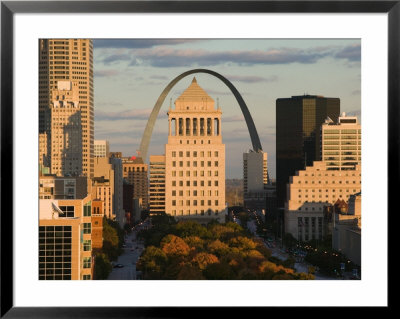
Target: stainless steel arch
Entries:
(144, 145)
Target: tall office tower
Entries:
(116, 164)
(195, 158)
(101, 148)
(44, 152)
(341, 143)
(134, 171)
(312, 189)
(157, 184)
(68, 60)
(298, 124)
(66, 130)
(65, 242)
(103, 184)
(255, 179)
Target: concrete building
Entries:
(195, 158)
(101, 148)
(116, 164)
(309, 191)
(298, 123)
(157, 184)
(134, 171)
(58, 187)
(341, 143)
(68, 60)
(65, 243)
(103, 190)
(66, 156)
(255, 179)
(346, 235)
(44, 154)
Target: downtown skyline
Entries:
(129, 75)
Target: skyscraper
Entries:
(298, 125)
(68, 60)
(341, 143)
(101, 148)
(157, 184)
(195, 158)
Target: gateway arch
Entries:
(144, 145)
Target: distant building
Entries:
(195, 158)
(67, 61)
(309, 191)
(255, 179)
(66, 130)
(101, 148)
(65, 242)
(346, 236)
(128, 202)
(58, 187)
(134, 171)
(298, 123)
(157, 184)
(116, 164)
(341, 143)
(44, 153)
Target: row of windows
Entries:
(195, 163)
(193, 173)
(201, 212)
(195, 192)
(194, 183)
(194, 153)
(194, 202)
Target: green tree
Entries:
(189, 272)
(152, 262)
(218, 247)
(219, 271)
(102, 267)
(190, 228)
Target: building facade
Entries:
(65, 243)
(101, 148)
(195, 158)
(58, 187)
(309, 191)
(135, 171)
(341, 143)
(157, 184)
(68, 60)
(298, 123)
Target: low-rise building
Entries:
(65, 239)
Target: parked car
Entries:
(119, 266)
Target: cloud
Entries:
(352, 53)
(251, 79)
(141, 114)
(137, 43)
(155, 53)
(105, 73)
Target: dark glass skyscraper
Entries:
(298, 136)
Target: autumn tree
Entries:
(174, 246)
(203, 259)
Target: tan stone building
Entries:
(312, 189)
(66, 130)
(346, 234)
(101, 148)
(65, 243)
(68, 60)
(157, 184)
(195, 158)
(341, 143)
(134, 171)
(59, 187)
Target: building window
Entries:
(87, 262)
(68, 211)
(87, 228)
(87, 209)
(87, 245)
(86, 277)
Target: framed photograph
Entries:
(258, 55)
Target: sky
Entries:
(130, 74)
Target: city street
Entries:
(128, 259)
(282, 255)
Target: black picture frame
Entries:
(9, 8)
